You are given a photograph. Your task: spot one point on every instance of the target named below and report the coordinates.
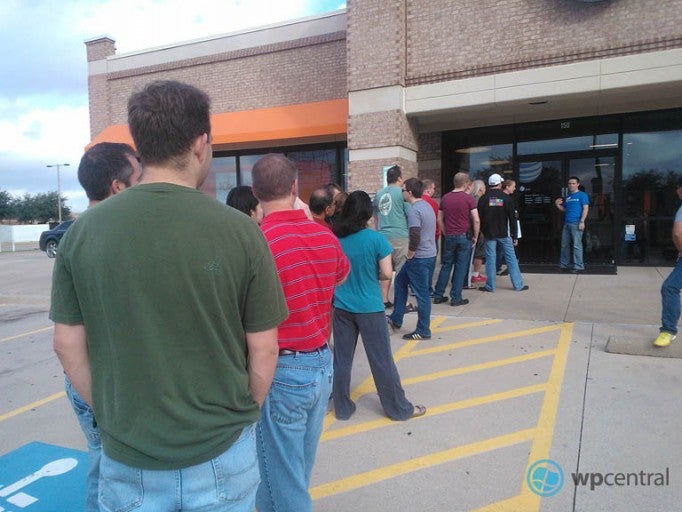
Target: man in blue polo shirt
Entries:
(576, 206)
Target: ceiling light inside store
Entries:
(473, 149)
(612, 145)
(495, 162)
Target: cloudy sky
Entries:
(43, 76)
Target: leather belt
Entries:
(289, 352)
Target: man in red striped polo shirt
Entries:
(310, 264)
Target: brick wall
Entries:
(449, 40)
(368, 175)
(376, 43)
(278, 75)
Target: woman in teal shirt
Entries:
(359, 309)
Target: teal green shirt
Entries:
(361, 293)
(167, 281)
(391, 211)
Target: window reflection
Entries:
(482, 161)
(221, 178)
(315, 168)
(587, 142)
(652, 162)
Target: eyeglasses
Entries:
(404, 190)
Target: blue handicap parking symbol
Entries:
(41, 477)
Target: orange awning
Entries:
(321, 118)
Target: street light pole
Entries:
(59, 189)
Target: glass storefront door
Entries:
(540, 182)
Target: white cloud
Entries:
(44, 116)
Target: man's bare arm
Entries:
(263, 354)
(441, 222)
(385, 269)
(677, 236)
(70, 344)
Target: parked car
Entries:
(49, 240)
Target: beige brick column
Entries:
(379, 132)
(97, 52)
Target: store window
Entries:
(221, 178)
(315, 168)
(482, 161)
(652, 164)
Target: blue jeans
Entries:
(670, 295)
(86, 418)
(458, 252)
(228, 482)
(290, 428)
(432, 271)
(414, 272)
(571, 236)
(510, 257)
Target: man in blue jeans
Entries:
(498, 225)
(670, 291)
(421, 253)
(576, 205)
(105, 170)
(457, 216)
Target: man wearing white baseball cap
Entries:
(498, 225)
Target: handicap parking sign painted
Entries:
(41, 477)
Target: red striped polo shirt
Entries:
(310, 264)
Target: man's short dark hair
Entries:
(165, 118)
(415, 186)
(393, 174)
(320, 199)
(577, 180)
(272, 177)
(102, 164)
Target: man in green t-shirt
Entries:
(166, 305)
(390, 216)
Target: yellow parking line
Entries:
(449, 328)
(418, 463)
(434, 410)
(25, 334)
(487, 339)
(542, 441)
(32, 405)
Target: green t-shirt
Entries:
(391, 211)
(167, 281)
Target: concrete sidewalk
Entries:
(509, 379)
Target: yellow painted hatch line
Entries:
(419, 463)
(25, 334)
(487, 339)
(542, 441)
(435, 410)
(32, 405)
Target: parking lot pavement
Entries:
(504, 392)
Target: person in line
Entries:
(457, 217)
(105, 170)
(310, 264)
(241, 198)
(576, 206)
(478, 254)
(670, 290)
(390, 212)
(174, 345)
(421, 252)
(427, 195)
(498, 224)
(508, 187)
(358, 309)
(339, 201)
(322, 206)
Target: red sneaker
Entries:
(478, 279)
